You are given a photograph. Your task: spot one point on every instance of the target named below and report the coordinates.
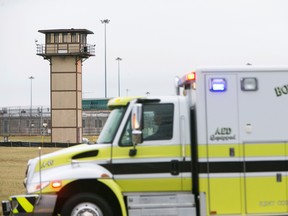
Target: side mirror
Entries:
(137, 117)
(137, 125)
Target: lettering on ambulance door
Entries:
(155, 166)
(222, 143)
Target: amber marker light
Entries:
(56, 184)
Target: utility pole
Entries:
(30, 123)
(118, 59)
(105, 21)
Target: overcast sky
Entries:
(157, 40)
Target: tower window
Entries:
(75, 37)
(49, 38)
(65, 38)
(56, 37)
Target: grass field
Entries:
(13, 161)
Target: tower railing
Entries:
(65, 49)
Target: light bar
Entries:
(218, 85)
(191, 76)
(187, 79)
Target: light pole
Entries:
(118, 59)
(30, 124)
(105, 21)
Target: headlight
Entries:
(34, 187)
(26, 174)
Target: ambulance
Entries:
(218, 147)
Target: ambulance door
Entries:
(154, 164)
(265, 177)
(224, 161)
(263, 121)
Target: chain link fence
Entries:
(24, 121)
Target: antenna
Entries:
(40, 176)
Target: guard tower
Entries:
(66, 49)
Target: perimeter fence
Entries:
(24, 121)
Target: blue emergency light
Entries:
(218, 85)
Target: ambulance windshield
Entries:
(112, 124)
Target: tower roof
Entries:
(72, 30)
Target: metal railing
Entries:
(65, 49)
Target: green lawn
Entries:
(13, 161)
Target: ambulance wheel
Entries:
(86, 204)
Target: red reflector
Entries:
(56, 184)
(104, 175)
(191, 76)
(38, 187)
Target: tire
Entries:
(86, 204)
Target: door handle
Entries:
(279, 177)
(231, 152)
(174, 169)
